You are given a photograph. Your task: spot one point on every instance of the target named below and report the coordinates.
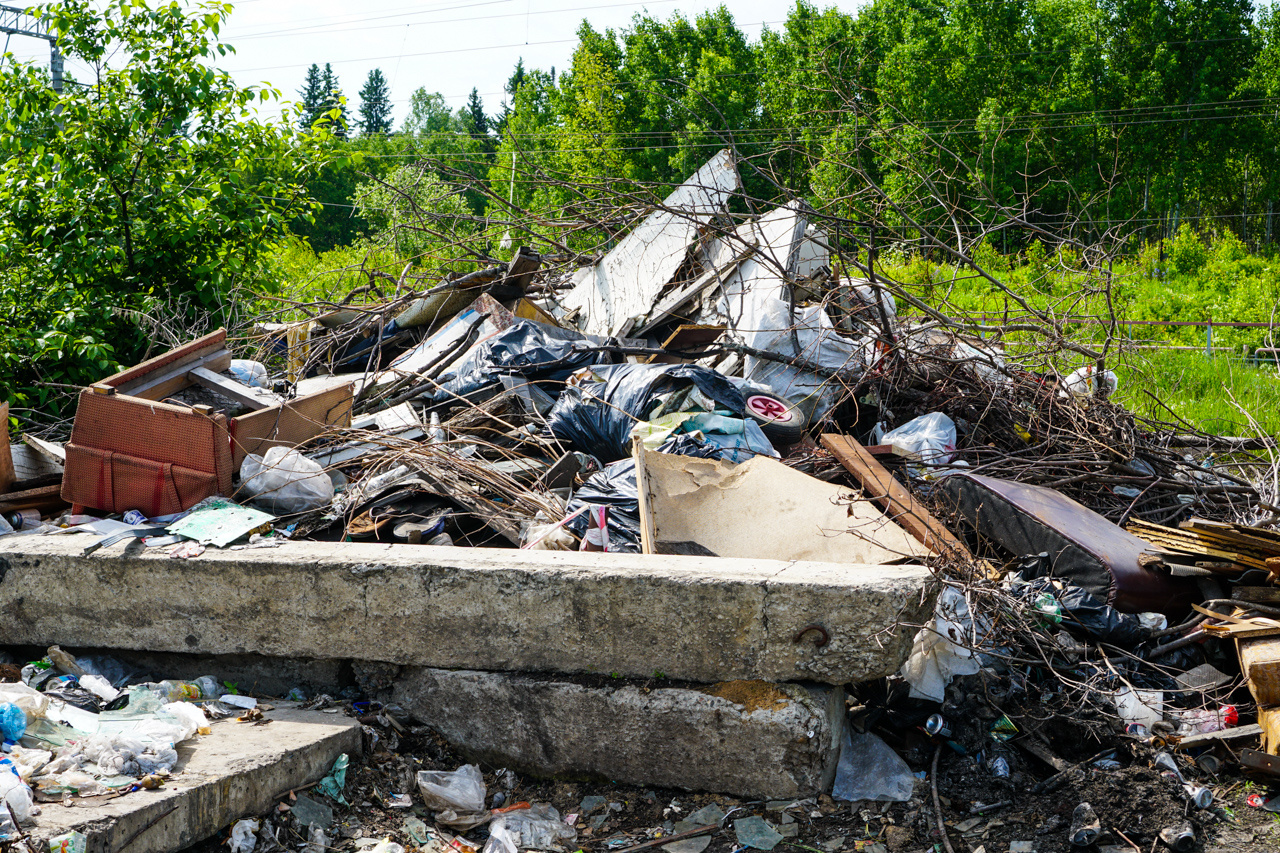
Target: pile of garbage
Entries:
(725, 388)
(90, 727)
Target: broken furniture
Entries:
(130, 449)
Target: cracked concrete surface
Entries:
(693, 618)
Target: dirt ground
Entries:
(1132, 801)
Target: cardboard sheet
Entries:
(762, 508)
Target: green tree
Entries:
(333, 113)
(419, 216)
(375, 105)
(477, 121)
(153, 188)
(312, 94)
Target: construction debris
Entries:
(1107, 607)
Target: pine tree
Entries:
(312, 95)
(375, 105)
(476, 118)
(333, 100)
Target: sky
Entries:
(447, 46)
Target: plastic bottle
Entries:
(170, 690)
(387, 478)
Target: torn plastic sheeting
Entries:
(757, 306)
(627, 282)
(942, 650)
(598, 413)
(1088, 616)
(535, 351)
(869, 769)
(1085, 549)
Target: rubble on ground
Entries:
(1107, 621)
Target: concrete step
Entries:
(749, 739)
(238, 770)
(693, 618)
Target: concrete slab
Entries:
(235, 771)
(693, 618)
(747, 738)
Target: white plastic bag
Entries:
(191, 718)
(32, 701)
(461, 790)
(942, 650)
(931, 437)
(538, 828)
(249, 372)
(244, 835)
(1084, 381)
(869, 769)
(100, 687)
(284, 481)
(15, 792)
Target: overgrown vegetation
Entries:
(1108, 160)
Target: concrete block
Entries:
(236, 771)
(745, 738)
(701, 619)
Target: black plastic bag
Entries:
(1089, 617)
(534, 351)
(597, 417)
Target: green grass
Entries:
(1208, 393)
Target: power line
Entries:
(319, 29)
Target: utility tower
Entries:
(16, 22)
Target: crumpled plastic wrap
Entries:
(942, 650)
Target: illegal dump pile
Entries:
(711, 388)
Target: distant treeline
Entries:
(1087, 116)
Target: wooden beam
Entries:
(49, 450)
(1260, 663)
(173, 377)
(229, 388)
(7, 475)
(647, 543)
(893, 497)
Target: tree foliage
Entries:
(375, 105)
(149, 186)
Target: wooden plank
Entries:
(50, 450)
(229, 388)
(1269, 720)
(173, 378)
(647, 543)
(185, 354)
(1233, 733)
(893, 497)
(686, 337)
(45, 497)
(1257, 594)
(1260, 663)
(7, 475)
